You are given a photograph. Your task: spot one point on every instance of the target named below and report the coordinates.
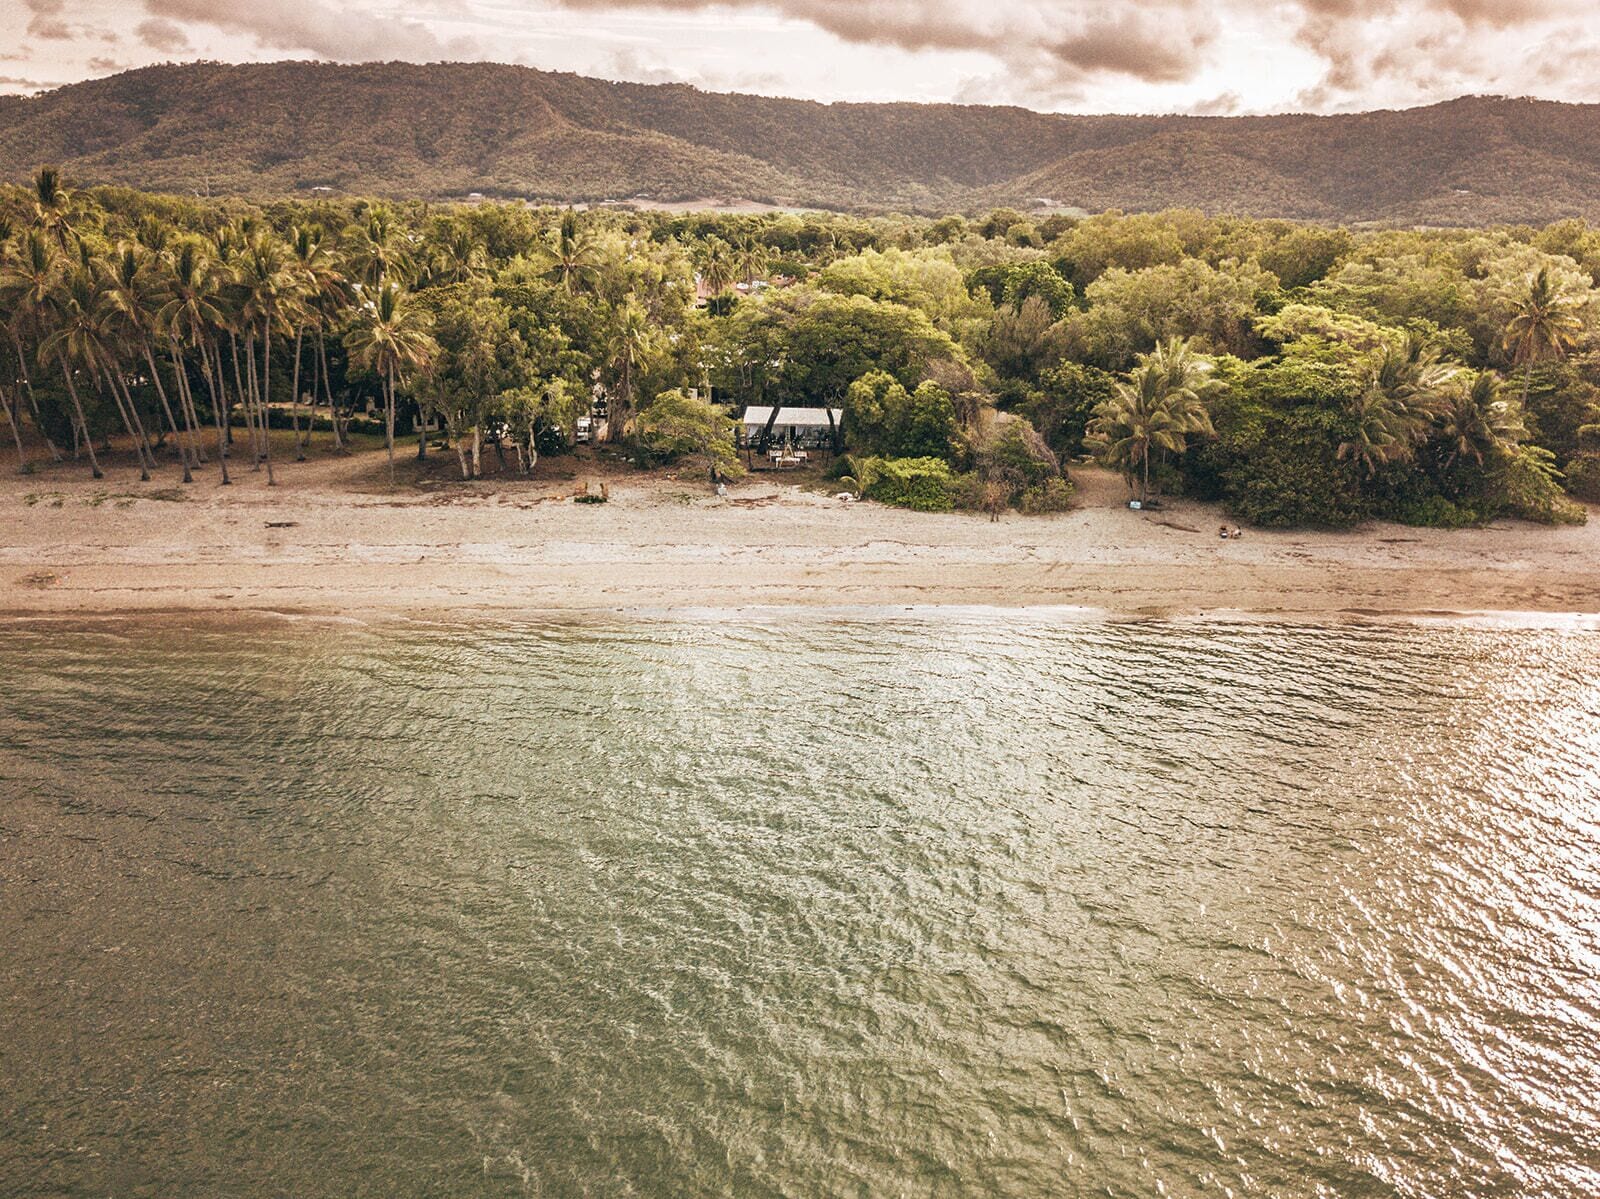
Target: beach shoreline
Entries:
(332, 543)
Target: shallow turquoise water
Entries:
(921, 904)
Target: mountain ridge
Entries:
(444, 131)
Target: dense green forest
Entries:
(1300, 374)
(447, 130)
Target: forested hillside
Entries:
(448, 130)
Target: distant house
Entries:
(803, 428)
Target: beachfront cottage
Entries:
(801, 428)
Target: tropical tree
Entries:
(1159, 406)
(27, 283)
(750, 258)
(633, 344)
(52, 206)
(269, 289)
(378, 251)
(79, 341)
(322, 292)
(133, 292)
(390, 336)
(1402, 393)
(1544, 325)
(189, 320)
(1480, 421)
(716, 266)
(456, 255)
(573, 255)
(680, 425)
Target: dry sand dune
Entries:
(332, 540)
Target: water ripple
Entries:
(923, 904)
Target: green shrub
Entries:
(967, 493)
(921, 484)
(1583, 478)
(884, 419)
(1435, 512)
(1053, 495)
(1529, 482)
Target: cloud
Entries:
(627, 66)
(45, 21)
(1129, 45)
(1203, 56)
(342, 33)
(1226, 104)
(162, 35)
(31, 85)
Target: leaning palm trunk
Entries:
(266, 380)
(166, 406)
(253, 381)
(83, 423)
(294, 400)
(388, 419)
(327, 388)
(130, 416)
(191, 416)
(218, 406)
(219, 388)
(246, 399)
(16, 433)
(33, 400)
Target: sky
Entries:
(1202, 56)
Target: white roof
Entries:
(800, 418)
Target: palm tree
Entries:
(1543, 326)
(1160, 405)
(134, 295)
(750, 258)
(632, 344)
(189, 318)
(324, 291)
(52, 206)
(574, 258)
(270, 304)
(27, 281)
(1375, 441)
(1402, 393)
(152, 233)
(377, 249)
(316, 278)
(457, 257)
(716, 266)
(389, 336)
(1479, 421)
(78, 341)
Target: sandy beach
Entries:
(332, 540)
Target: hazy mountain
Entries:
(449, 130)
